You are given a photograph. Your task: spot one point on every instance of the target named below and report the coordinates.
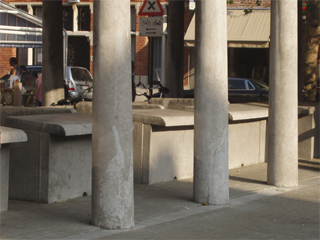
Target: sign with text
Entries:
(151, 26)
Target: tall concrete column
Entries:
(211, 178)
(282, 128)
(175, 49)
(52, 52)
(112, 163)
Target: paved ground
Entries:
(166, 211)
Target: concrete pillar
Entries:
(283, 118)
(52, 64)
(175, 49)
(112, 163)
(17, 99)
(211, 178)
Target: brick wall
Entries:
(5, 55)
(142, 51)
(141, 59)
(249, 3)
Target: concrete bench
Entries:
(24, 111)
(163, 141)
(86, 107)
(55, 164)
(7, 137)
(309, 131)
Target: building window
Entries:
(68, 18)
(37, 54)
(133, 16)
(23, 8)
(84, 18)
(37, 11)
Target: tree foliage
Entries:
(249, 10)
(310, 47)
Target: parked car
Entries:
(34, 70)
(78, 79)
(242, 90)
(247, 90)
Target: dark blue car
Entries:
(242, 90)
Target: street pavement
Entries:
(166, 211)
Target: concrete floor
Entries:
(166, 211)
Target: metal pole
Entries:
(150, 64)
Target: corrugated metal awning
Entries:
(18, 28)
(244, 30)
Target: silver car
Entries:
(79, 79)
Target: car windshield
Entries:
(81, 74)
(261, 85)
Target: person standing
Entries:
(15, 73)
(39, 90)
(16, 70)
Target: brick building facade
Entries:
(80, 34)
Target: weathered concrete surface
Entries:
(163, 143)
(146, 105)
(211, 181)
(307, 134)
(17, 99)
(86, 107)
(163, 117)
(283, 101)
(112, 141)
(55, 163)
(288, 215)
(50, 168)
(247, 143)
(166, 211)
(22, 111)
(7, 136)
(173, 103)
(309, 130)
(11, 135)
(57, 124)
(162, 153)
(247, 111)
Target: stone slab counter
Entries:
(56, 162)
(165, 138)
(247, 111)
(163, 117)
(58, 124)
(8, 136)
(11, 135)
(241, 111)
(24, 111)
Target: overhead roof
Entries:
(18, 28)
(244, 30)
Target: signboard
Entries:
(192, 5)
(151, 8)
(151, 26)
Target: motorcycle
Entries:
(73, 100)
